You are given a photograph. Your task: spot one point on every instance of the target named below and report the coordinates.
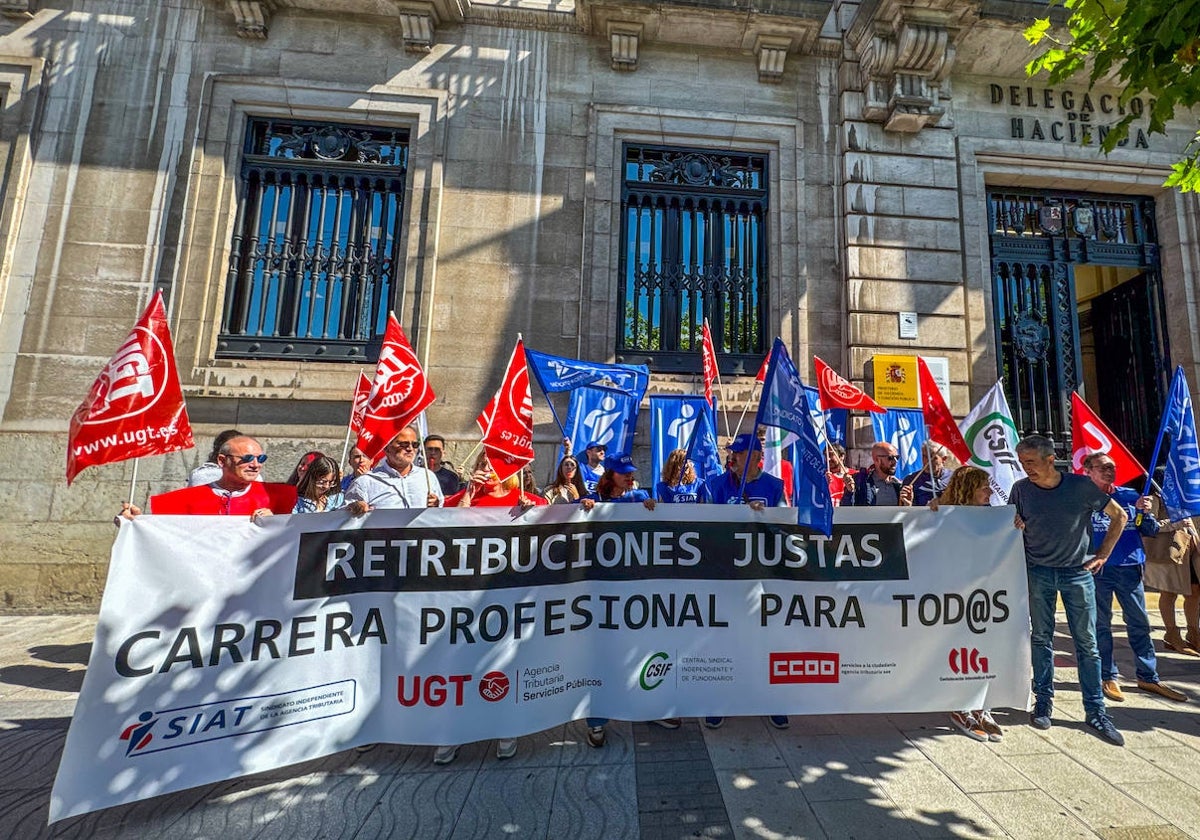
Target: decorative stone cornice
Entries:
(763, 30)
(771, 52)
(252, 17)
(905, 54)
(419, 20)
(17, 9)
(623, 37)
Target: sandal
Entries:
(1172, 640)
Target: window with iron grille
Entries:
(314, 263)
(693, 246)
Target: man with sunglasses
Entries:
(397, 482)
(877, 485)
(238, 492)
(1122, 576)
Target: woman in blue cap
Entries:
(616, 485)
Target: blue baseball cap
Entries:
(745, 442)
(596, 445)
(619, 464)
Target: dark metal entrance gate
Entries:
(1037, 240)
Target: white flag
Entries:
(992, 437)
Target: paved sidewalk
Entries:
(864, 776)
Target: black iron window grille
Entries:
(314, 263)
(693, 246)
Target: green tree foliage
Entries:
(1150, 46)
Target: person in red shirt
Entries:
(484, 490)
(238, 492)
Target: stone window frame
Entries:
(988, 163)
(609, 128)
(210, 215)
(21, 93)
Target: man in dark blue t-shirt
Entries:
(1054, 512)
(762, 489)
(1122, 576)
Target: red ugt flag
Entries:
(939, 422)
(708, 356)
(399, 392)
(1089, 434)
(135, 406)
(761, 376)
(508, 438)
(359, 406)
(837, 392)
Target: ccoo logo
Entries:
(967, 661)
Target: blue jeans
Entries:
(1078, 590)
(1126, 583)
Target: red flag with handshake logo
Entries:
(837, 392)
(508, 438)
(135, 406)
(399, 392)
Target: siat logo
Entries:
(139, 735)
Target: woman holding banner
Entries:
(679, 483)
(970, 486)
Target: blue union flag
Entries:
(784, 405)
(1181, 482)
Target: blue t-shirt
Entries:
(1128, 551)
(589, 476)
(638, 495)
(722, 489)
(681, 493)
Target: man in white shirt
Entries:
(397, 482)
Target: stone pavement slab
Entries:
(835, 776)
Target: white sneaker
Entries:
(506, 748)
(445, 755)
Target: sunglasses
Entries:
(888, 457)
(248, 457)
(406, 444)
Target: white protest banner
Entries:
(225, 648)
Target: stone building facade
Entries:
(592, 174)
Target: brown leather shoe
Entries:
(1162, 691)
(1113, 691)
(1172, 640)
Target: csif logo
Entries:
(967, 661)
(804, 667)
(654, 670)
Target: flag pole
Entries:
(746, 410)
(133, 481)
(1162, 430)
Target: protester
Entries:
(1122, 576)
(614, 485)
(970, 486)
(877, 485)
(318, 488)
(435, 450)
(1173, 568)
(679, 483)
(358, 464)
(839, 476)
(302, 466)
(567, 487)
(1054, 512)
(761, 489)
(397, 482)
(485, 490)
(210, 470)
(238, 492)
(930, 481)
(591, 466)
